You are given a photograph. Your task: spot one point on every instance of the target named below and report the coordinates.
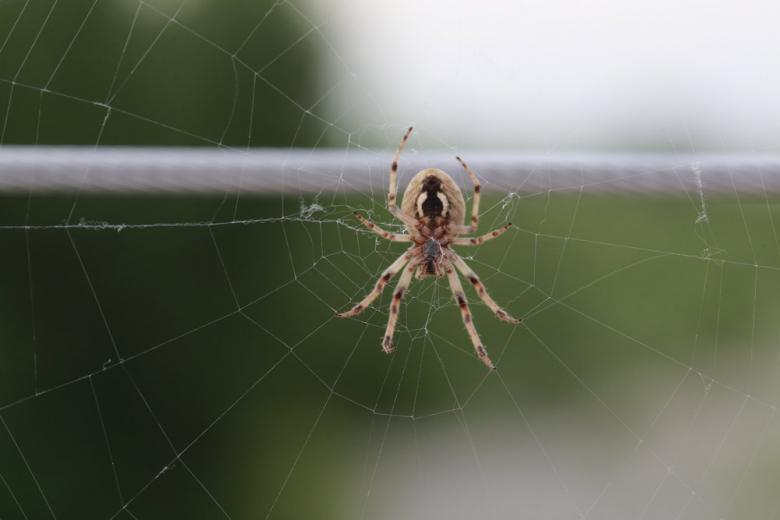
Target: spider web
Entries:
(168, 357)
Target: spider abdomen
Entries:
(433, 195)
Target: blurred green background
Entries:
(174, 74)
(159, 370)
(231, 352)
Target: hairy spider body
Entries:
(432, 257)
(433, 210)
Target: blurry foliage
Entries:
(192, 73)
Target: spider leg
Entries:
(393, 237)
(475, 241)
(469, 273)
(392, 194)
(456, 229)
(460, 297)
(400, 289)
(475, 202)
(380, 285)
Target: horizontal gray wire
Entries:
(129, 170)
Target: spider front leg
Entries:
(475, 202)
(392, 237)
(392, 194)
(480, 288)
(460, 298)
(380, 285)
(395, 305)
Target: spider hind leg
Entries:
(479, 287)
(460, 298)
(395, 305)
(387, 274)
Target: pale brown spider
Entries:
(432, 209)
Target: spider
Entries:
(433, 210)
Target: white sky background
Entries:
(661, 74)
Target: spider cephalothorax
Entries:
(433, 210)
